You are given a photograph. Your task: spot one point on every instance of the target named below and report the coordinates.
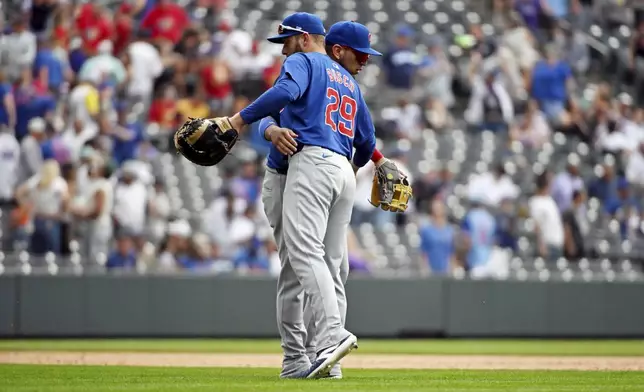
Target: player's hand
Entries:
(283, 139)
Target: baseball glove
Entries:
(205, 141)
(390, 189)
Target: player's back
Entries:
(325, 113)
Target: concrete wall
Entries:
(150, 306)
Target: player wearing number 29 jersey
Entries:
(331, 112)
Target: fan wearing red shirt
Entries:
(93, 26)
(166, 21)
(164, 109)
(215, 78)
(123, 27)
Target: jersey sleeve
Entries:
(365, 135)
(298, 68)
(264, 124)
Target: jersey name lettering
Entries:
(338, 77)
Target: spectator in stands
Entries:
(175, 245)
(104, 68)
(438, 184)
(547, 218)
(572, 44)
(531, 128)
(124, 26)
(166, 22)
(96, 210)
(490, 106)
(566, 183)
(126, 136)
(164, 110)
(84, 105)
(31, 103)
(40, 13)
(9, 167)
(437, 240)
(94, 25)
(506, 225)
(203, 257)
(145, 65)
(635, 168)
(492, 187)
(124, 256)
(46, 195)
(530, 11)
(19, 47)
(218, 217)
(519, 39)
(159, 211)
(478, 233)
(605, 187)
(635, 55)
(48, 69)
(76, 136)
(30, 151)
(193, 105)
(7, 103)
(436, 116)
(130, 201)
(247, 184)
(576, 227)
(399, 64)
(407, 116)
(436, 74)
(625, 208)
(560, 9)
(550, 83)
(216, 79)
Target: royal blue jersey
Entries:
(329, 110)
(275, 159)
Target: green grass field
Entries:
(79, 379)
(64, 378)
(448, 347)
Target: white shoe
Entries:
(327, 359)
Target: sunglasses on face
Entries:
(282, 28)
(362, 58)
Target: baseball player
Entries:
(299, 342)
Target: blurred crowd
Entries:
(90, 97)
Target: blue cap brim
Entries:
(279, 39)
(368, 51)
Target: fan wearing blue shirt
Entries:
(479, 226)
(437, 240)
(400, 62)
(7, 104)
(28, 106)
(127, 136)
(48, 67)
(549, 87)
(124, 256)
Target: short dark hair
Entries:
(542, 180)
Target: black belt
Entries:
(282, 171)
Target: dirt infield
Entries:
(353, 361)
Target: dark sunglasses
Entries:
(361, 57)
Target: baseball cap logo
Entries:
(369, 37)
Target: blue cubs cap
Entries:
(298, 23)
(353, 35)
